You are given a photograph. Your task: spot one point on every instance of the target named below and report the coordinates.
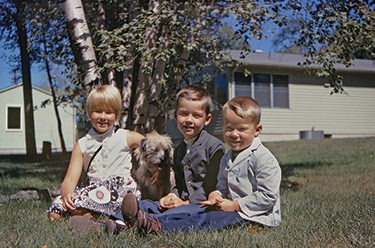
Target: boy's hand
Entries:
(213, 199)
(171, 201)
(228, 205)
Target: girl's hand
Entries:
(71, 178)
(67, 202)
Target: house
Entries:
(12, 128)
(292, 100)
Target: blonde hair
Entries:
(245, 107)
(195, 93)
(106, 96)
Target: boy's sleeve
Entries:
(263, 197)
(178, 173)
(222, 182)
(212, 163)
(210, 181)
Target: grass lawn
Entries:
(327, 200)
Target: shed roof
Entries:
(20, 84)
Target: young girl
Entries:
(104, 153)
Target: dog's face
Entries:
(156, 152)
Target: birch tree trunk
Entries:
(152, 108)
(141, 93)
(102, 26)
(31, 153)
(163, 114)
(128, 77)
(81, 43)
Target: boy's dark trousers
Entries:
(189, 217)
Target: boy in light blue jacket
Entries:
(249, 176)
(248, 185)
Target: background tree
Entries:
(286, 37)
(49, 45)
(335, 32)
(13, 29)
(226, 38)
(81, 43)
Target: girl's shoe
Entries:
(82, 223)
(52, 216)
(114, 227)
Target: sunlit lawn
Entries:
(327, 199)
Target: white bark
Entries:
(81, 41)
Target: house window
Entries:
(262, 89)
(280, 91)
(13, 118)
(270, 91)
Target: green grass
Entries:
(327, 200)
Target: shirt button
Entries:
(189, 184)
(186, 168)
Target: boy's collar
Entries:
(191, 141)
(254, 146)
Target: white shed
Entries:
(12, 128)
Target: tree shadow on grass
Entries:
(289, 170)
(17, 166)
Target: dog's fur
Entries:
(153, 175)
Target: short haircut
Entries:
(195, 93)
(105, 96)
(245, 107)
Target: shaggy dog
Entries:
(153, 175)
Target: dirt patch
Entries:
(289, 184)
(335, 183)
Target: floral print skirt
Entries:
(102, 197)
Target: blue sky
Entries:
(6, 74)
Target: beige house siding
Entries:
(13, 141)
(338, 115)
